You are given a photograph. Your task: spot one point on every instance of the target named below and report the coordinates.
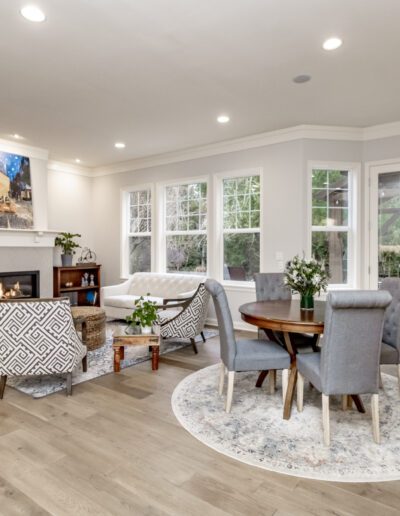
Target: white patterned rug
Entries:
(255, 433)
(100, 362)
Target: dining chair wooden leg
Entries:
(221, 379)
(345, 402)
(375, 418)
(325, 419)
(300, 392)
(285, 377)
(3, 381)
(229, 395)
(398, 374)
(69, 384)
(272, 381)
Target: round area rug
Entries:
(255, 433)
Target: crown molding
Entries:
(377, 132)
(22, 149)
(68, 168)
(248, 142)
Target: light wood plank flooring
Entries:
(115, 448)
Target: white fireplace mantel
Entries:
(27, 237)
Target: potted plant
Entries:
(144, 315)
(308, 278)
(68, 246)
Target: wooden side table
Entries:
(119, 343)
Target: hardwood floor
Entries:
(115, 448)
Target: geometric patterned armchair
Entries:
(189, 322)
(38, 337)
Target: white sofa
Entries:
(118, 300)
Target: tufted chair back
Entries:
(352, 341)
(225, 323)
(38, 337)
(391, 327)
(270, 287)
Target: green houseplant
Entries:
(144, 315)
(307, 277)
(68, 246)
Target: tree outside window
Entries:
(186, 227)
(241, 227)
(139, 231)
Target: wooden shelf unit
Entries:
(63, 275)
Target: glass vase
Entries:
(307, 302)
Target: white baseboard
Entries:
(238, 325)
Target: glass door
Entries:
(388, 224)
(383, 231)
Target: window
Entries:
(241, 227)
(186, 227)
(331, 222)
(139, 231)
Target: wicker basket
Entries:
(91, 320)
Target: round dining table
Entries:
(287, 317)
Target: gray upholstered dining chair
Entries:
(391, 328)
(349, 360)
(245, 354)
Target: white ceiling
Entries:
(156, 73)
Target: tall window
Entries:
(331, 222)
(186, 227)
(139, 231)
(241, 227)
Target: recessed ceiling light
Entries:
(223, 119)
(17, 136)
(300, 79)
(33, 13)
(77, 160)
(119, 145)
(332, 44)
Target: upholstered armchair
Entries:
(37, 337)
(391, 329)
(349, 361)
(245, 354)
(185, 320)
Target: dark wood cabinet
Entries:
(78, 295)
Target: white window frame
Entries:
(354, 217)
(125, 233)
(219, 224)
(161, 258)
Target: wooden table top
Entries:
(284, 316)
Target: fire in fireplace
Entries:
(15, 285)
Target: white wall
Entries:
(70, 206)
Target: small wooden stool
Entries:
(119, 343)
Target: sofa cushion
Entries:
(128, 301)
(163, 285)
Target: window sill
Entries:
(239, 285)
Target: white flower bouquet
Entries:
(307, 277)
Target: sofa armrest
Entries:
(115, 290)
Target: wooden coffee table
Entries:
(120, 341)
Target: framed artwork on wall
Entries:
(16, 211)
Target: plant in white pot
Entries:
(68, 246)
(144, 315)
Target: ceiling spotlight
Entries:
(17, 136)
(223, 119)
(332, 44)
(33, 13)
(300, 79)
(77, 160)
(119, 145)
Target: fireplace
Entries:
(19, 285)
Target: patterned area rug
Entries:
(100, 362)
(256, 434)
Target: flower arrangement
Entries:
(144, 315)
(307, 277)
